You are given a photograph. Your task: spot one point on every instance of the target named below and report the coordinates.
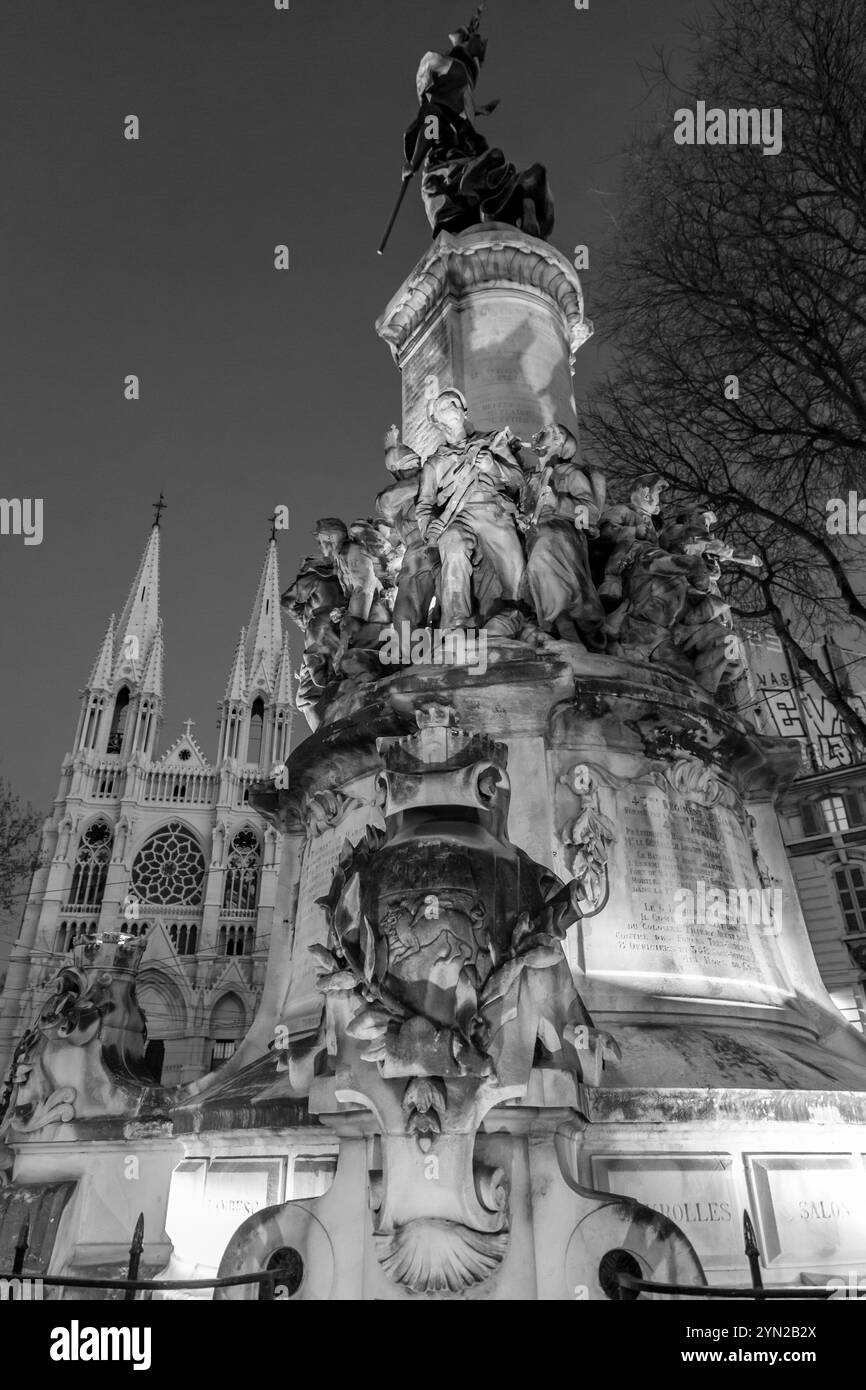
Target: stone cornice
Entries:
(495, 254)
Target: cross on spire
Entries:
(158, 508)
(273, 520)
(188, 727)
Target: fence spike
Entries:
(135, 1250)
(753, 1253)
(21, 1248)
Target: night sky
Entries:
(156, 257)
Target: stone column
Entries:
(498, 314)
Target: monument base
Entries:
(581, 1175)
(561, 1232)
(738, 1088)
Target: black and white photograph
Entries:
(433, 698)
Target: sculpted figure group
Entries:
(516, 540)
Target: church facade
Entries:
(164, 845)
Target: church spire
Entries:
(236, 688)
(283, 687)
(264, 635)
(140, 617)
(100, 676)
(256, 712)
(151, 676)
(122, 702)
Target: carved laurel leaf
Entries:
(324, 957)
(331, 984)
(522, 930)
(369, 1024)
(502, 979)
(368, 947)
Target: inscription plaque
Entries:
(431, 356)
(208, 1201)
(811, 1208)
(515, 362)
(668, 843)
(505, 349)
(697, 1192)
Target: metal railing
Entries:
(620, 1283)
(132, 1284)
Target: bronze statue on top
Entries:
(464, 180)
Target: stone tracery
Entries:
(169, 868)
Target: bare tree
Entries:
(735, 306)
(19, 828)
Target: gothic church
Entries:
(166, 846)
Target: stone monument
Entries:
(538, 964)
(511, 1127)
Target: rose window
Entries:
(169, 868)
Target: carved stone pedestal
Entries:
(498, 314)
(507, 1130)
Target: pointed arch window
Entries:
(227, 1026)
(236, 941)
(183, 938)
(282, 729)
(257, 726)
(118, 721)
(242, 873)
(145, 720)
(94, 722)
(91, 866)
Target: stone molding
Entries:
(496, 255)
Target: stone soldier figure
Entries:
(705, 630)
(362, 562)
(316, 602)
(627, 527)
(562, 503)
(673, 610)
(657, 584)
(465, 502)
(690, 526)
(419, 572)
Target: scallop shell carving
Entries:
(440, 1256)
